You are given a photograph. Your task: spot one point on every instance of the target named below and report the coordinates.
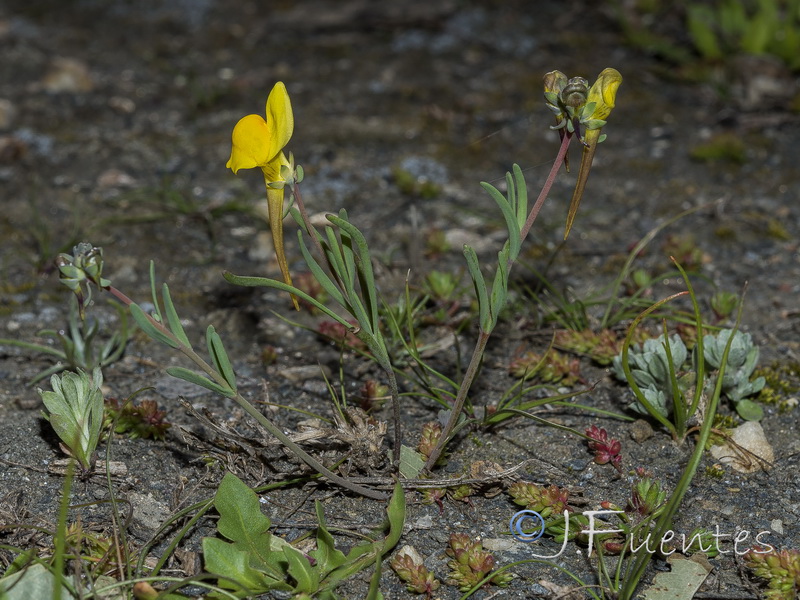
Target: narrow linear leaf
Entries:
(151, 330)
(499, 286)
(374, 592)
(522, 196)
(397, 517)
(509, 216)
(197, 379)
(279, 285)
(480, 286)
(362, 555)
(365, 260)
(321, 276)
(337, 261)
(172, 317)
(156, 307)
(221, 361)
(349, 257)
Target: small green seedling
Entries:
(75, 410)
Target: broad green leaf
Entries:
(151, 330)
(35, 581)
(241, 519)
(749, 410)
(326, 554)
(411, 462)
(306, 576)
(686, 576)
(222, 558)
(198, 379)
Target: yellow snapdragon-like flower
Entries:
(599, 102)
(604, 93)
(259, 142)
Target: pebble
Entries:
(148, 513)
(750, 437)
(500, 544)
(7, 113)
(67, 75)
(304, 372)
(640, 431)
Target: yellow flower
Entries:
(599, 103)
(259, 142)
(604, 93)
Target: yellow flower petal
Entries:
(604, 93)
(256, 142)
(272, 169)
(250, 144)
(279, 118)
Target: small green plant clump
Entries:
(727, 27)
(652, 364)
(471, 565)
(143, 420)
(409, 567)
(602, 346)
(657, 370)
(723, 147)
(551, 367)
(79, 343)
(547, 501)
(606, 450)
(782, 383)
(737, 381)
(781, 570)
(75, 410)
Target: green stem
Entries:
(251, 410)
(458, 405)
(483, 337)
